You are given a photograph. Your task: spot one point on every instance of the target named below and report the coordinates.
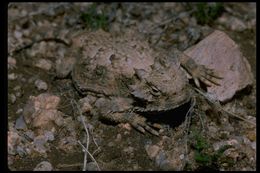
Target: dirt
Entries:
(120, 147)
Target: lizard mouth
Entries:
(166, 104)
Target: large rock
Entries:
(218, 51)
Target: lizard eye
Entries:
(155, 91)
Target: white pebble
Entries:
(17, 34)
(41, 85)
(12, 98)
(253, 145)
(12, 76)
(181, 156)
(19, 111)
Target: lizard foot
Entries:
(205, 75)
(139, 123)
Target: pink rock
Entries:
(41, 111)
(45, 101)
(12, 140)
(45, 117)
(219, 52)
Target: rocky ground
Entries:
(45, 131)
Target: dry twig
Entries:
(216, 103)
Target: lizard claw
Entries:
(206, 75)
(200, 72)
(140, 124)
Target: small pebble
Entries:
(12, 76)
(41, 85)
(253, 145)
(23, 79)
(44, 64)
(24, 13)
(17, 88)
(12, 98)
(111, 144)
(135, 167)
(129, 150)
(118, 137)
(20, 123)
(160, 158)
(251, 135)
(43, 166)
(39, 143)
(19, 111)
(49, 135)
(91, 166)
(182, 156)
(21, 151)
(11, 63)
(18, 94)
(152, 150)
(17, 35)
(84, 105)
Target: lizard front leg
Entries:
(199, 72)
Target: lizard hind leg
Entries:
(110, 110)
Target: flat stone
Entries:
(152, 150)
(39, 143)
(219, 52)
(20, 123)
(44, 64)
